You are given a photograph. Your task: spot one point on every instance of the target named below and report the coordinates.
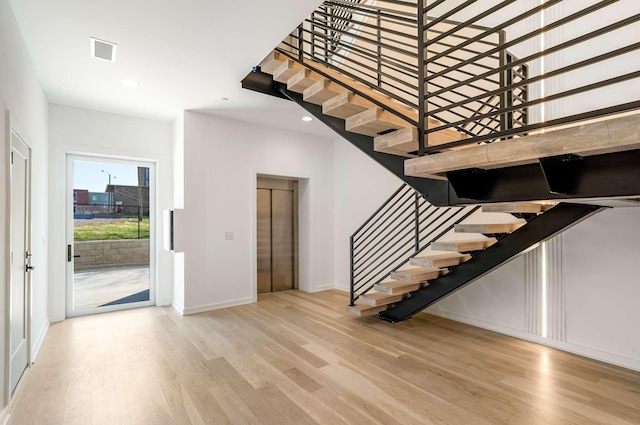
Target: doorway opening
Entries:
(277, 234)
(110, 235)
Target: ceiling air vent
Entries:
(104, 50)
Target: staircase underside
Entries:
(613, 135)
(598, 160)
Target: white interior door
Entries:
(19, 259)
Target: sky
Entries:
(89, 175)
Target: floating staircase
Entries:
(452, 263)
(480, 149)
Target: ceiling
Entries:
(185, 55)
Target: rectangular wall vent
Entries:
(104, 50)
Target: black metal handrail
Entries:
(556, 70)
(455, 62)
(403, 226)
(380, 48)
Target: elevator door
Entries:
(276, 243)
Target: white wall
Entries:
(497, 299)
(221, 160)
(80, 131)
(178, 203)
(21, 93)
(603, 284)
(361, 186)
(591, 284)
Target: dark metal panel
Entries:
(282, 240)
(562, 172)
(263, 230)
(260, 82)
(541, 228)
(599, 176)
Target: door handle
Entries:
(29, 267)
(69, 256)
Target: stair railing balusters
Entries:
(404, 235)
(466, 51)
(422, 73)
(300, 43)
(417, 220)
(379, 39)
(504, 102)
(352, 279)
(312, 32)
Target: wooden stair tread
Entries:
(440, 260)
(417, 275)
(345, 105)
(513, 207)
(404, 141)
(286, 70)
(302, 80)
(365, 310)
(465, 245)
(491, 228)
(379, 298)
(374, 121)
(396, 287)
(272, 62)
(321, 91)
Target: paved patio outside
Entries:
(93, 288)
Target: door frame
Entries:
(153, 220)
(289, 184)
(306, 216)
(14, 128)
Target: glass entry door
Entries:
(110, 235)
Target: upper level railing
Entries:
(581, 59)
(403, 226)
(493, 69)
(377, 43)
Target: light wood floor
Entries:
(295, 358)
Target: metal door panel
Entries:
(264, 240)
(282, 240)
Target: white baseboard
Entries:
(323, 288)
(37, 344)
(216, 306)
(178, 308)
(592, 353)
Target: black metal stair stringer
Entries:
(545, 226)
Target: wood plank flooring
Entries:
(296, 358)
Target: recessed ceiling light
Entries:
(105, 50)
(307, 119)
(130, 83)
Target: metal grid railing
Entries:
(403, 226)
